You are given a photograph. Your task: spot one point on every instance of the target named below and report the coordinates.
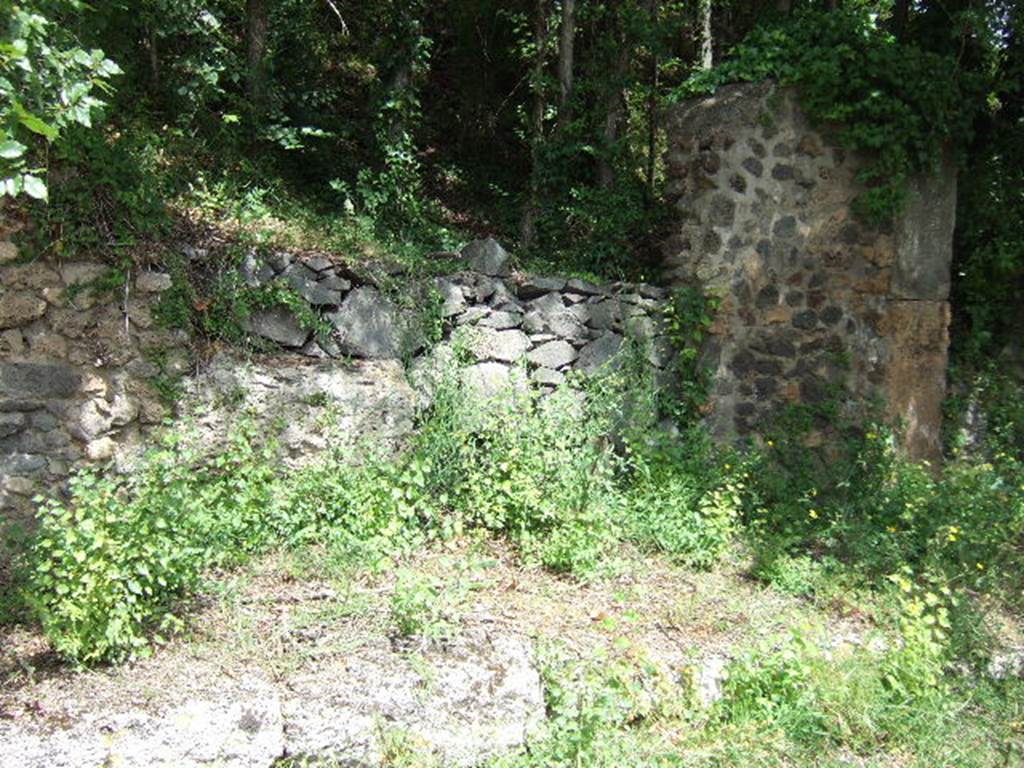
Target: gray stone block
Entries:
(553, 354)
(599, 353)
(503, 346)
(277, 324)
(487, 257)
(38, 380)
(367, 325)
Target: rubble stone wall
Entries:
(81, 363)
(814, 303)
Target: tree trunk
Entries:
(900, 17)
(706, 40)
(256, 27)
(615, 111)
(784, 6)
(398, 83)
(565, 62)
(652, 109)
(528, 223)
(153, 55)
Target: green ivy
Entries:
(901, 106)
(687, 318)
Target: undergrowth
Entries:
(791, 700)
(566, 479)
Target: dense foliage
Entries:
(387, 128)
(47, 83)
(110, 568)
(400, 126)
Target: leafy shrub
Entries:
(681, 494)
(880, 512)
(110, 564)
(539, 471)
(424, 607)
(106, 194)
(48, 82)
(776, 686)
(106, 569)
(590, 706)
(798, 574)
(915, 666)
(679, 517)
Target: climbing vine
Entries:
(898, 104)
(688, 317)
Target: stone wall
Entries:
(76, 368)
(81, 364)
(814, 303)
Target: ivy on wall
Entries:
(899, 105)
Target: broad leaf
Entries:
(12, 150)
(35, 187)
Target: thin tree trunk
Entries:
(154, 60)
(706, 40)
(565, 62)
(784, 6)
(400, 81)
(528, 223)
(615, 112)
(256, 28)
(652, 108)
(900, 17)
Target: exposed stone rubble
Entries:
(475, 698)
(307, 405)
(812, 299)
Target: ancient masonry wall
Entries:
(80, 367)
(813, 301)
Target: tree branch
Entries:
(333, 7)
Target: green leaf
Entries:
(34, 187)
(35, 124)
(12, 150)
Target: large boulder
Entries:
(553, 354)
(289, 397)
(478, 697)
(600, 353)
(368, 325)
(504, 346)
(487, 256)
(240, 729)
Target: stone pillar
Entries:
(814, 303)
